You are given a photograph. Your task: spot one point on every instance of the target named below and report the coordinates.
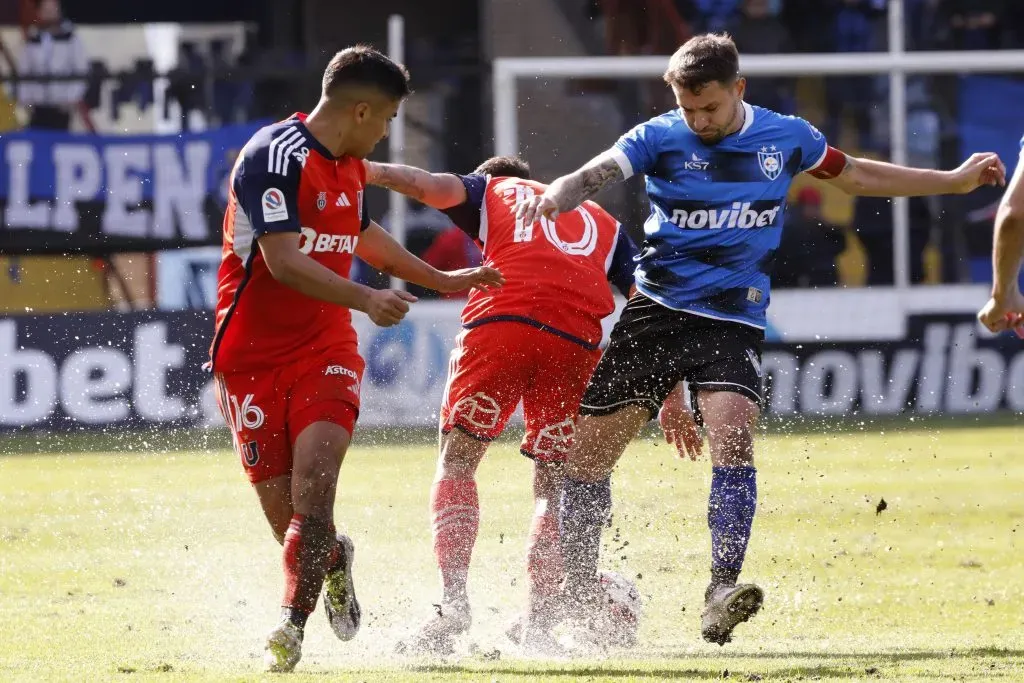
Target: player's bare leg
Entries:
(544, 555)
(729, 420)
(455, 521)
(586, 495)
(311, 548)
(544, 566)
(275, 497)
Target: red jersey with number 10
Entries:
(556, 272)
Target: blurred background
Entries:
(121, 121)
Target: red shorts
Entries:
(266, 410)
(496, 365)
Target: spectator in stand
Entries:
(1014, 20)
(12, 66)
(925, 24)
(451, 250)
(652, 27)
(872, 218)
(977, 24)
(805, 19)
(716, 14)
(853, 32)
(52, 49)
(809, 248)
(758, 31)
(8, 117)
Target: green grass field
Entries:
(157, 565)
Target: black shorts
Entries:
(652, 348)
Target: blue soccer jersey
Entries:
(716, 210)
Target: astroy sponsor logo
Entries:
(739, 215)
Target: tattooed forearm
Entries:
(849, 167)
(572, 190)
(407, 180)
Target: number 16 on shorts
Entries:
(246, 415)
(243, 416)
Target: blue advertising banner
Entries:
(96, 194)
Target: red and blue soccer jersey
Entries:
(285, 181)
(556, 272)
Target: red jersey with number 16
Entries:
(285, 181)
(556, 272)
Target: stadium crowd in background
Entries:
(849, 108)
(931, 24)
(52, 50)
(216, 84)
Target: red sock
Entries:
(543, 555)
(455, 515)
(310, 547)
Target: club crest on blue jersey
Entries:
(770, 162)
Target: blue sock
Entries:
(730, 514)
(584, 509)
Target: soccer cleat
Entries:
(437, 636)
(537, 641)
(340, 601)
(727, 607)
(514, 631)
(284, 648)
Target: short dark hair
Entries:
(362, 65)
(703, 59)
(505, 167)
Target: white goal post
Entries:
(896, 62)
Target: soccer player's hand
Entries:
(1001, 315)
(535, 207)
(482, 278)
(980, 169)
(387, 307)
(680, 429)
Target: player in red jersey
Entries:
(536, 340)
(284, 352)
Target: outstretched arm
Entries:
(1006, 307)
(439, 190)
(569, 191)
(380, 250)
(868, 178)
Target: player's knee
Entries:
(591, 460)
(460, 456)
(313, 490)
(732, 445)
(547, 481)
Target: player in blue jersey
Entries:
(718, 172)
(1005, 310)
